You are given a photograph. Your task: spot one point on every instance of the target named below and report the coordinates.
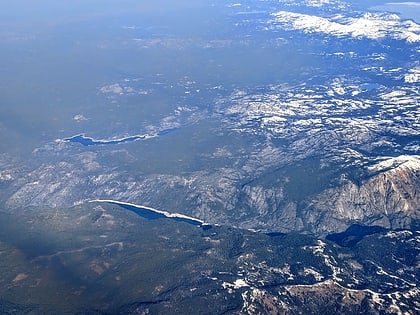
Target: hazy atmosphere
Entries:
(209, 157)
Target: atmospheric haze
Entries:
(249, 157)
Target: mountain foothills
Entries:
(264, 161)
(100, 259)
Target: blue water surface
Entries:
(86, 141)
(151, 214)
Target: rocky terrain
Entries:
(334, 143)
(291, 128)
(317, 179)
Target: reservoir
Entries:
(153, 214)
(354, 234)
(86, 141)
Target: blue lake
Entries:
(86, 141)
(354, 234)
(151, 214)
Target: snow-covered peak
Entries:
(410, 161)
(368, 25)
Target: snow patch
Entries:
(239, 283)
(413, 75)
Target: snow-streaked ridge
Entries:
(369, 25)
(411, 161)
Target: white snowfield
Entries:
(412, 76)
(409, 161)
(368, 25)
